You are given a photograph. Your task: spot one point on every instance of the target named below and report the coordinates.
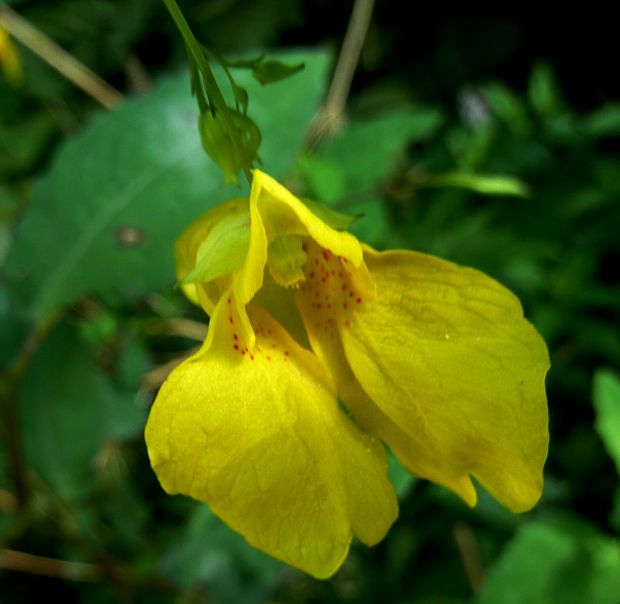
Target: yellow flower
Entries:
(9, 60)
(431, 358)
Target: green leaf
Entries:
(603, 122)
(140, 171)
(480, 183)
(543, 91)
(561, 562)
(67, 410)
(606, 400)
(364, 154)
(353, 166)
(267, 72)
(207, 552)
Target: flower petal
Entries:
(447, 356)
(276, 212)
(260, 437)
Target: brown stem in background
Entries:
(470, 555)
(72, 69)
(49, 567)
(331, 116)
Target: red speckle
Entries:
(252, 356)
(286, 353)
(326, 255)
(268, 358)
(312, 274)
(347, 323)
(345, 305)
(236, 346)
(235, 336)
(344, 286)
(319, 306)
(243, 352)
(230, 319)
(359, 300)
(344, 260)
(350, 294)
(229, 300)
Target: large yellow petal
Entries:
(449, 360)
(259, 436)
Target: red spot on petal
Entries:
(230, 319)
(235, 336)
(268, 358)
(236, 346)
(252, 356)
(286, 353)
(359, 300)
(344, 286)
(243, 352)
(345, 305)
(326, 255)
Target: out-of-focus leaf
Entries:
(543, 91)
(507, 106)
(606, 400)
(602, 122)
(140, 171)
(555, 563)
(352, 167)
(364, 154)
(68, 409)
(483, 184)
(207, 552)
(267, 72)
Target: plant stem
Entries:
(66, 64)
(330, 118)
(207, 73)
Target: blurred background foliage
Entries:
(486, 139)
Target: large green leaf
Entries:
(68, 409)
(606, 399)
(557, 562)
(207, 552)
(352, 167)
(105, 218)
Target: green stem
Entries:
(207, 73)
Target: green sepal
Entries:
(337, 220)
(223, 250)
(267, 72)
